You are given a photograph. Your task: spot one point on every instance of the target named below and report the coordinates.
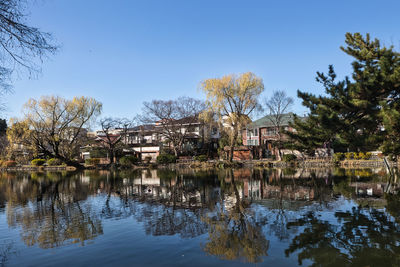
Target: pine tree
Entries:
(391, 127)
(350, 115)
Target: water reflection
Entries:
(6, 251)
(327, 217)
(358, 237)
(49, 211)
(234, 230)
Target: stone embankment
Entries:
(364, 163)
(39, 168)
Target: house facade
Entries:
(194, 135)
(261, 134)
(143, 140)
(147, 141)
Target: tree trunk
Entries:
(175, 151)
(279, 146)
(231, 153)
(111, 156)
(232, 145)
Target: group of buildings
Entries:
(148, 141)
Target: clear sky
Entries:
(125, 52)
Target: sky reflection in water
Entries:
(218, 217)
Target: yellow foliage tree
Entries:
(19, 147)
(232, 99)
(57, 126)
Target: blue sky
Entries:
(125, 52)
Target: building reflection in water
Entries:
(237, 208)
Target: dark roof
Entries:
(182, 121)
(113, 138)
(267, 121)
(146, 127)
(191, 120)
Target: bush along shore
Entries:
(51, 164)
(345, 160)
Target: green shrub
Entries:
(349, 155)
(201, 158)
(9, 163)
(53, 162)
(273, 157)
(38, 162)
(94, 161)
(128, 160)
(166, 158)
(360, 155)
(338, 156)
(289, 157)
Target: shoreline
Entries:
(376, 163)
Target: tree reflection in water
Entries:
(234, 232)
(6, 250)
(239, 211)
(54, 216)
(359, 237)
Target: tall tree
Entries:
(349, 115)
(174, 119)
(233, 98)
(278, 105)
(58, 126)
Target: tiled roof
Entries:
(267, 121)
(146, 127)
(182, 121)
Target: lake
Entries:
(232, 217)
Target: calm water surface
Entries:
(178, 218)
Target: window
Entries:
(271, 132)
(252, 132)
(251, 142)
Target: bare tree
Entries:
(277, 108)
(174, 119)
(113, 133)
(4, 86)
(21, 46)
